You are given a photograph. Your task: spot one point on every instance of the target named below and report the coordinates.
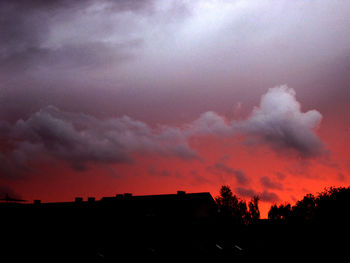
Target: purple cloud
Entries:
(80, 139)
(238, 174)
(266, 182)
(265, 196)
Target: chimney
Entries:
(181, 192)
(37, 202)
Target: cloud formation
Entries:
(265, 196)
(46, 36)
(166, 54)
(266, 182)
(80, 139)
(280, 123)
(220, 168)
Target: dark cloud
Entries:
(280, 176)
(81, 139)
(269, 196)
(266, 182)
(26, 29)
(265, 196)
(198, 179)
(245, 192)
(82, 55)
(238, 174)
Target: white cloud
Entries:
(280, 122)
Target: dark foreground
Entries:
(98, 233)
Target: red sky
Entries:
(249, 94)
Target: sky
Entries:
(150, 97)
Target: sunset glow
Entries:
(150, 97)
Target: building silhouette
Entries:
(161, 228)
(123, 226)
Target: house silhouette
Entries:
(122, 226)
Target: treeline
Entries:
(333, 204)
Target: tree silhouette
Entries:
(281, 212)
(235, 209)
(254, 209)
(331, 205)
(227, 203)
(305, 208)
